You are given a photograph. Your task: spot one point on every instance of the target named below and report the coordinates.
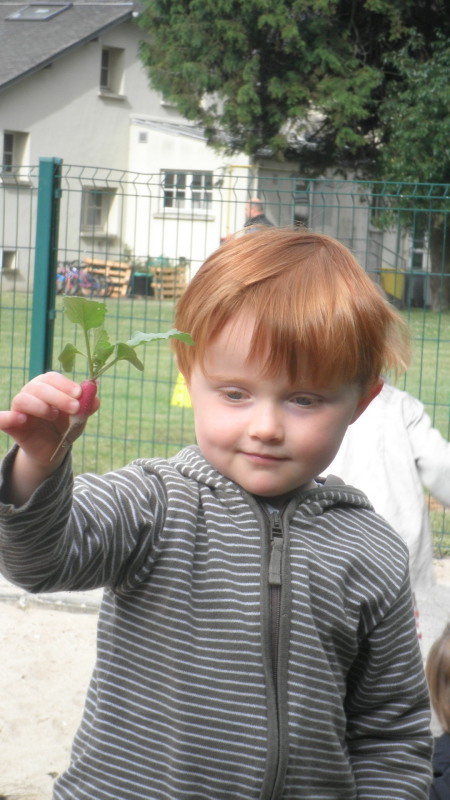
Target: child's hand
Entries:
(40, 415)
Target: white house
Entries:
(72, 87)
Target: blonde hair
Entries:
(316, 311)
(437, 670)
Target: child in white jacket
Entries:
(392, 452)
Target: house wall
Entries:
(66, 115)
(64, 112)
(186, 233)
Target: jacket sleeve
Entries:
(388, 709)
(430, 450)
(94, 532)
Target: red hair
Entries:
(316, 311)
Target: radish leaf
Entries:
(87, 313)
(100, 353)
(126, 353)
(67, 357)
(103, 349)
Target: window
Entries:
(38, 11)
(7, 260)
(14, 151)
(111, 71)
(104, 70)
(187, 190)
(418, 254)
(96, 205)
(8, 152)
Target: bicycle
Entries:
(71, 279)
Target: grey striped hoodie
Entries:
(242, 653)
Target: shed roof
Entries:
(29, 45)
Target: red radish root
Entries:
(86, 399)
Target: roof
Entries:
(29, 45)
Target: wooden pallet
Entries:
(116, 273)
(168, 282)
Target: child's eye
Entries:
(233, 394)
(303, 400)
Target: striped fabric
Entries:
(183, 703)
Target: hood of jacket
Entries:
(329, 492)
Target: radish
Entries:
(100, 353)
(86, 399)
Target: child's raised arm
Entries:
(37, 421)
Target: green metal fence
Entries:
(155, 232)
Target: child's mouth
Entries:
(263, 458)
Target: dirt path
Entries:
(47, 659)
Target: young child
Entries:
(256, 638)
(438, 676)
(396, 437)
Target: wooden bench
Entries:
(116, 273)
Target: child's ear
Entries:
(366, 399)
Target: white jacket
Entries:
(391, 452)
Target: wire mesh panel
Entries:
(134, 240)
(18, 192)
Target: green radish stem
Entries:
(86, 399)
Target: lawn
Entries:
(137, 418)
(428, 376)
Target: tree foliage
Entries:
(316, 81)
(416, 114)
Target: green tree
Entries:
(357, 85)
(290, 77)
(415, 116)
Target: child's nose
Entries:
(266, 423)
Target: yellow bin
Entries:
(393, 282)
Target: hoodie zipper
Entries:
(276, 552)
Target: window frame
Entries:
(8, 260)
(186, 191)
(14, 151)
(111, 82)
(100, 223)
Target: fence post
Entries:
(43, 308)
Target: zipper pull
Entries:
(276, 552)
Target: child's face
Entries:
(268, 435)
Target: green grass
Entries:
(440, 526)
(428, 376)
(137, 419)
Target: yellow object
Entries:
(180, 394)
(392, 281)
